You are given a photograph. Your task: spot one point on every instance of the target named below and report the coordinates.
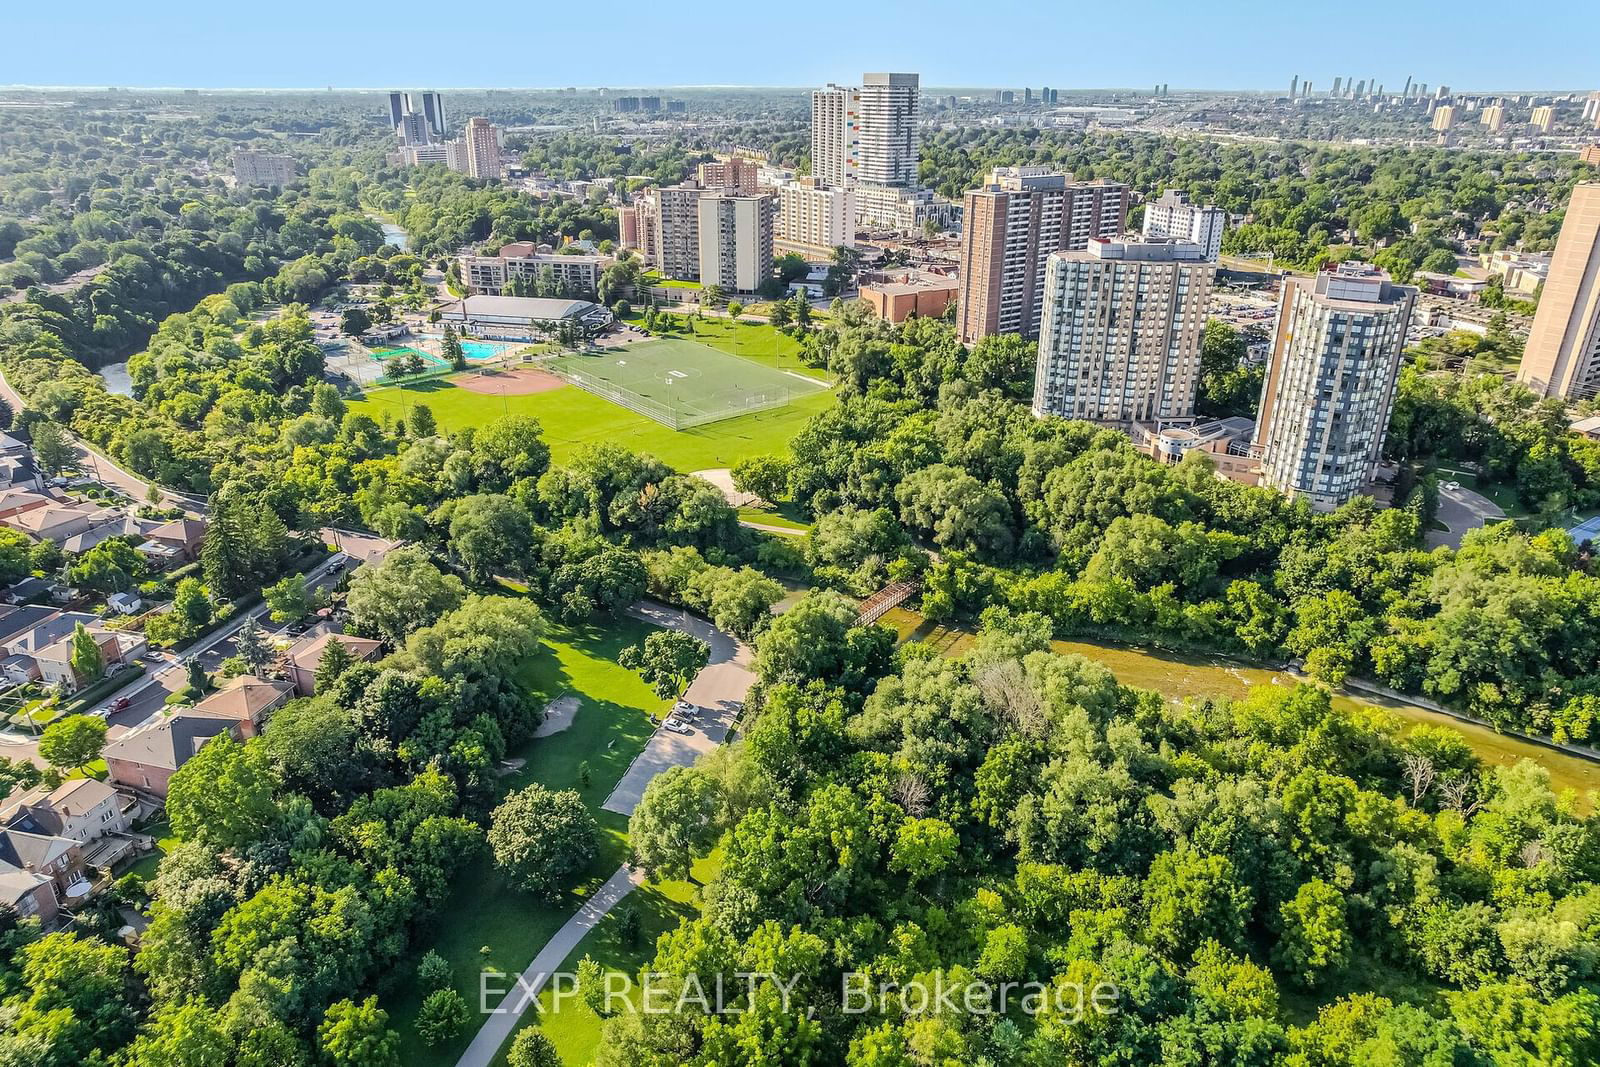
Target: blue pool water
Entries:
(481, 349)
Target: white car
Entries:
(1449, 487)
(685, 709)
(678, 726)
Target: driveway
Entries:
(717, 689)
(1462, 510)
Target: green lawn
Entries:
(611, 728)
(572, 1027)
(573, 418)
(784, 515)
(759, 341)
(145, 866)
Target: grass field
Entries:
(759, 341)
(610, 729)
(679, 379)
(661, 906)
(573, 418)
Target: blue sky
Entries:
(1242, 44)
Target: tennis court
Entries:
(681, 383)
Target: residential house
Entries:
(247, 700)
(145, 758)
(81, 809)
(125, 603)
(26, 590)
(14, 501)
(48, 644)
(57, 521)
(39, 872)
(177, 541)
(303, 659)
(17, 467)
(32, 895)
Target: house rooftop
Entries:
(307, 655)
(168, 743)
(245, 697)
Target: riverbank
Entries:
(1177, 675)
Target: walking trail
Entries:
(719, 688)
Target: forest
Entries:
(1270, 881)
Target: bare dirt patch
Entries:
(520, 382)
(558, 715)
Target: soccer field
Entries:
(681, 383)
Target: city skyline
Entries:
(1213, 48)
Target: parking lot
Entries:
(718, 690)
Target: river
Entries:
(116, 379)
(1178, 675)
(392, 234)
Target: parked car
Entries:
(685, 710)
(119, 704)
(678, 726)
(1450, 487)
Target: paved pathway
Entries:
(500, 1025)
(726, 680)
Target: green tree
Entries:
(443, 1015)
(543, 839)
(1315, 941)
(336, 659)
(667, 659)
(450, 347)
(191, 604)
(112, 566)
(225, 795)
(490, 534)
(531, 1048)
(87, 661)
(420, 422)
(402, 593)
(355, 321)
(766, 477)
(677, 819)
(591, 978)
(358, 1035)
(433, 972)
(15, 556)
(53, 449)
(288, 598)
(74, 742)
(252, 645)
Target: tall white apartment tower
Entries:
(835, 143)
(482, 142)
(1123, 325)
(888, 130)
(735, 241)
(1330, 383)
(1171, 215)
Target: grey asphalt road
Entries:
(1462, 510)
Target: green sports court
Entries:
(681, 383)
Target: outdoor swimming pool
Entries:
(479, 350)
